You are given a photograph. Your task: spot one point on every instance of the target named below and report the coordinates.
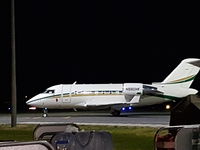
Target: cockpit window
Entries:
(49, 91)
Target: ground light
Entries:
(167, 107)
(127, 109)
(32, 108)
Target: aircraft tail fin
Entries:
(183, 75)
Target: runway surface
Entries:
(136, 119)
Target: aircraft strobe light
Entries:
(167, 107)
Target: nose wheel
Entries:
(45, 112)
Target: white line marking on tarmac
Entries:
(67, 117)
(36, 117)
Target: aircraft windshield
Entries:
(49, 91)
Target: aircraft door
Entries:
(66, 98)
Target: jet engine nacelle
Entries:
(133, 89)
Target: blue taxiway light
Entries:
(127, 109)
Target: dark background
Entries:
(91, 41)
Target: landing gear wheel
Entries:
(44, 115)
(115, 112)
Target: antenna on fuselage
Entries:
(74, 82)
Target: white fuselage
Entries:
(96, 96)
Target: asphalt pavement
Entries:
(150, 119)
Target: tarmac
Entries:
(143, 119)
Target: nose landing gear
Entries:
(45, 112)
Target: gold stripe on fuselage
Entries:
(80, 95)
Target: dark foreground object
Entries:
(82, 141)
(62, 137)
(177, 138)
(34, 145)
(187, 112)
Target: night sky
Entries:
(91, 41)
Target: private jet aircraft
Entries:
(120, 97)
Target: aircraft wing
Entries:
(104, 104)
(107, 105)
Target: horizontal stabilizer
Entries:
(195, 62)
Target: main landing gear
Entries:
(115, 112)
(118, 110)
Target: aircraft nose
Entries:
(32, 102)
(29, 102)
(35, 101)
